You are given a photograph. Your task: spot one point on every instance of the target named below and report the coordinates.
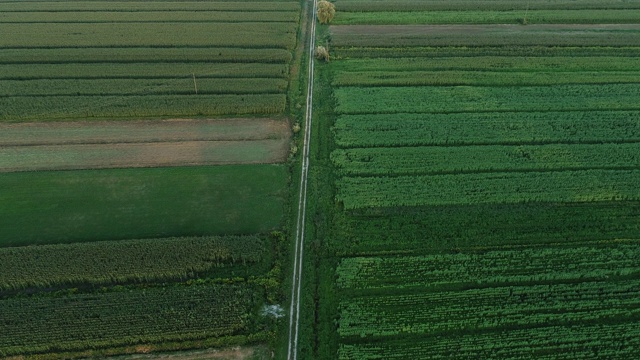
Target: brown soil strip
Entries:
(84, 145)
(486, 35)
(237, 353)
(104, 132)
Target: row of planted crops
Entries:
(484, 180)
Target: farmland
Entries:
(73, 146)
(480, 177)
(144, 174)
(81, 66)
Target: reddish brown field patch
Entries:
(84, 145)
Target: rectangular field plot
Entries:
(485, 35)
(91, 205)
(88, 145)
(469, 159)
(422, 230)
(488, 188)
(617, 16)
(132, 261)
(445, 99)
(487, 302)
(398, 130)
(42, 324)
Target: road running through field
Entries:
(294, 311)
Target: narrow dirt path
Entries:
(294, 311)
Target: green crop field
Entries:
(83, 61)
(131, 261)
(89, 205)
(480, 181)
(145, 170)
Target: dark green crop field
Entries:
(90, 205)
(479, 180)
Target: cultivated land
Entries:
(171, 121)
(479, 180)
(73, 145)
(84, 62)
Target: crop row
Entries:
(87, 107)
(494, 267)
(498, 188)
(492, 64)
(126, 317)
(64, 35)
(443, 99)
(143, 56)
(489, 308)
(619, 341)
(185, 85)
(421, 52)
(151, 16)
(142, 70)
(483, 78)
(617, 16)
(434, 160)
(486, 128)
(144, 6)
(485, 35)
(107, 262)
(419, 230)
(487, 5)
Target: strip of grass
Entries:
(42, 108)
(142, 54)
(150, 16)
(471, 5)
(489, 17)
(62, 35)
(75, 206)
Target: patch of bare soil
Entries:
(236, 353)
(89, 145)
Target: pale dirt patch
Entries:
(104, 132)
(87, 145)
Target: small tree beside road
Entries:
(326, 11)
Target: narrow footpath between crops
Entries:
(294, 311)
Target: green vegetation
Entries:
(447, 99)
(438, 160)
(486, 35)
(132, 261)
(479, 181)
(90, 205)
(97, 263)
(617, 16)
(123, 316)
(374, 130)
(486, 5)
(66, 60)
